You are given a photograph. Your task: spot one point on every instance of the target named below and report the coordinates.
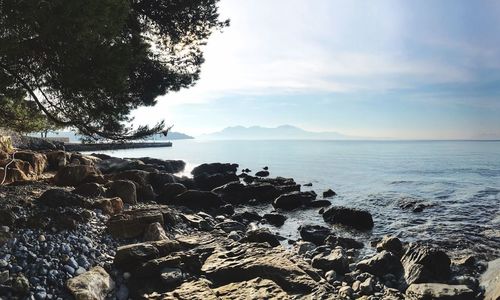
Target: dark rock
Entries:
(438, 291)
(169, 191)
(319, 203)
(63, 198)
(38, 161)
(129, 257)
(314, 233)
(140, 178)
(293, 200)
(73, 175)
(208, 182)
(230, 225)
(425, 264)
(262, 174)
(114, 164)
(145, 193)
(308, 184)
(266, 168)
(133, 223)
(391, 244)
(359, 219)
(261, 235)
(56, 159)
(169, 166)
(380, 264)
(275, 219)
(125, 189)
(336, 260)
(247, 217)
(7, 217)
(329, 193)
(89, 190)
(214, 168)
(199, 199)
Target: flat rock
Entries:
(214, 168)
(131, 256)
(293, 200)
(133, 223)
(438, 291)
(257, 288)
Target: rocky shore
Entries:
(99, 227)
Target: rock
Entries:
(346, 292)
(438, 291)
(158, 180)
(169, 166)
(309, 184)
(197, 290)
(262, 173)
(329, 193)
(490, 280)
(304, 247)
(56, 159)
(18, 170)
(247, 217)
(214, 168)
(293, 200)
(198, 222)
(275, 219)
(109, 206)
(63, 198)
(380, 264)
(246, 261)
(344, 242)
(366, 287)
(257, 287)
(6, 144)
(169, 191)
(358, 219)
(230, 225)
(7, 217)
(131, 256)
(314, 233)
(21, 284)
(198, 199)
(92, 285)
(125, 189)
(38, 161)
(171, 276)
(425, 264)
(207, 182)
(238, 193)
(155, 232)
(319, 203)
(391, 244)
(133, 223)
(262, 235)
(73, 175)
(336, 260)
(90, 190)
(4, 276)
(139, 177)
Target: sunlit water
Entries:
(460, 180)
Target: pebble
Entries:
(4, 276)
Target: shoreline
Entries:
(80, 147)
(136, 225)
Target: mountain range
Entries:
(272, 133)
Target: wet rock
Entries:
(275, 219)
(169, 166)
(425, 264)
(246, 262)
(336, 260)
(309, 184)
(131, 256)
(207, 182)
(304, 247)
(314, 233)
(72, 175)
(94, 284)
(169, 191)
(438, 291)
(38, 161)
(358, 219)
(414, 205)
(319, 203)
(198, 199)
(158, 180)
(133, 223)
(125, 189)
(198, 222)
(380, 264)
(214, 168)
(344, 242)
(329, 193)
(293, 200)
(261, 235)
(90, 190)
(155, 232)
(391, 244)
(262, 173)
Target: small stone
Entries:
(72, 263)
(69, 269)
(233, 235)
(171, 275)
(127, 275)
(41, 238)
(3, 263)
(4, 276)
(366, 287)
(346, 291)
(331, 276)
(79, 271)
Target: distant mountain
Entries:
(172, 135)
(275, 133)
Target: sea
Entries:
(457, 181)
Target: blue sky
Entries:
(391, 69)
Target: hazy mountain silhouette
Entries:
(272, 133)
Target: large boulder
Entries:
(356, 218)
(423, 264)
(314, 233)
(391, 244)
(56, 159)
(63, 198)
(490, 280)
(261, 235)
(133, 223)
(90, 190)
(17, 170)
(438, 291)
(73, 175)
(94, 284)
(129, 257)
(208, 182)
(169, 191)
(293, 200)
(169, 166)
(380, 264)
(335, 260)
(238, 193)
(38, 161)
(198, 199)
(115, 164)
(246, 261)
(214, 168)
(125, 189)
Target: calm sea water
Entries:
(460, 180)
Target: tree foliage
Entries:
(88, 63)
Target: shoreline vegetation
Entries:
(100, 227)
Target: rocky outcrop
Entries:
(335, 260)
(133, 223)
(438, 291)
(6, 144)
(391, 244)
(73, 175)
(94, 284)
(356, 218)
(424, 264)
(329, 193)
(131, 256)
(245, 262)
(38, 161)
(490, 281)
(314, 233)
(294, 200)
(207, 182)
(198, 199)
(17, 170)
(125, 189)
(381, 264)
(258, 288)
(214, 168)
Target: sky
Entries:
(384, 69)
